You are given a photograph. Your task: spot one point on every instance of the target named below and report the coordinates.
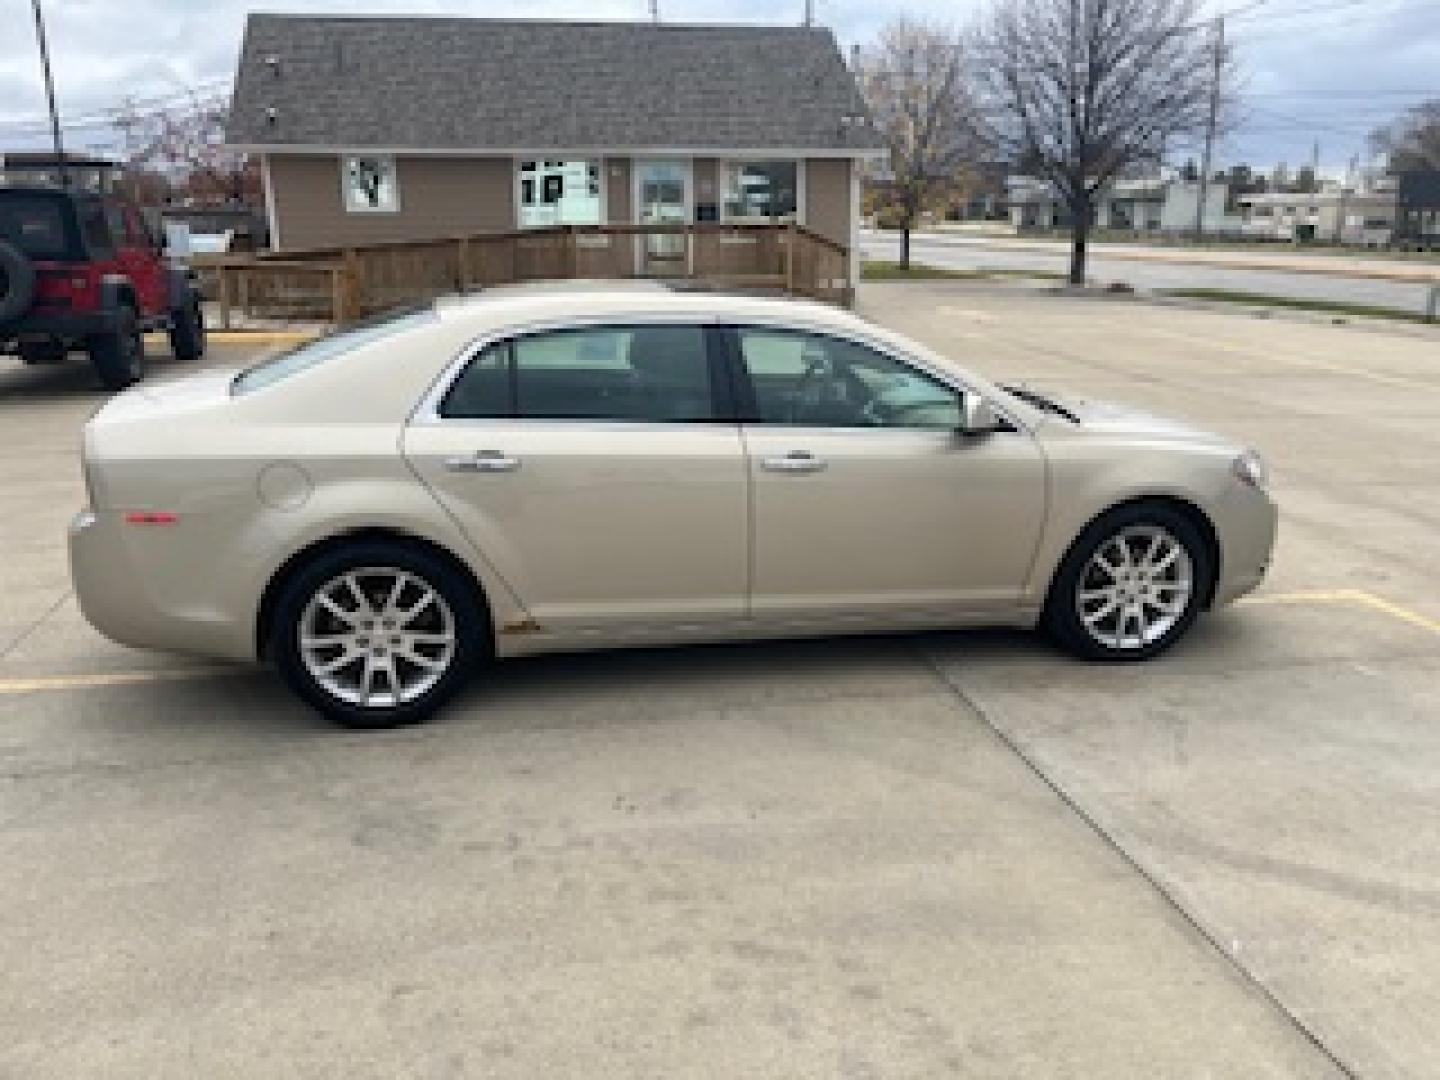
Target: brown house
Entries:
(372, 129)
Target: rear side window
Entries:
(330, 347)
(657, 373)
(36, 226)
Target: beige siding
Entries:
(438, 197)
(617, 194)
(827, 198)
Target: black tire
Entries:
(466, 607)
(119, 356)
(187, 331)
(1062, 617)
(17, 282)
(43, 352)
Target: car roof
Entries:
(583, 300)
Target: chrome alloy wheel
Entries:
(377, 637)
(1135, 588)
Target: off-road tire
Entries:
(187, 331)
(17, 282)
(119, 356)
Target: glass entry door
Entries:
(662, 197)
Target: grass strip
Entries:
(1327, 307)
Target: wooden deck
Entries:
(344, 284)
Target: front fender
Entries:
(1087, 480)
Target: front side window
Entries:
(371, 184)
(814, 381)
(559, 193)
(657, 373)
(761, 190)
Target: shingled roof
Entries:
(477, 84)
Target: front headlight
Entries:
(1249, 468)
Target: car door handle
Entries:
(797, 461)
(486, 461)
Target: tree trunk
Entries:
(1079, 241)
(905, 246)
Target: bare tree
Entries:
(1078, 92)
(180, 150)
(913, 79)
(1412, 142)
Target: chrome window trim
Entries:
(427, 412)
(941, 375)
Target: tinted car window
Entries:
(330, 347)
(639, 373)
(815, 381)
(36, 226)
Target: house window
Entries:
(560, 193)
(761, 190)
(370, 184)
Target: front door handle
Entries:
(486, 461)
(796, 461)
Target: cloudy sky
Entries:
(1326, 70)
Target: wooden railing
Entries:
(343, 284)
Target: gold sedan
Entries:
(381, 511)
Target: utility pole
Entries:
(655, 11)
(50, 96)
(1203, 191)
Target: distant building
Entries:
(1360, 211)
(1160, 205)
(1417, 212)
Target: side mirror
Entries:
(978, 417)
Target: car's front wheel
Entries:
(1132, 584)
(376, 634)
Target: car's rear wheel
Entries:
(377, 634)
(1131, 585)
(187, 331)
(119, 356)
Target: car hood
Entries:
(1112, 418)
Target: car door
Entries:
(866, 502)
(599, 469)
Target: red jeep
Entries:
(81, 271)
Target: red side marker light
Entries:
(151, 517)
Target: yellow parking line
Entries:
(256, 337)
(103, 679)
(1357, 597)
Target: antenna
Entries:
(809, 12)
(60, 163)
(655, 11)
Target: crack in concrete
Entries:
(1167, 894)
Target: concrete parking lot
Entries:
(951, 854)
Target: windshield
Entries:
(324, 349)
(35, 224)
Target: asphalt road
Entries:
(945, 855)
(1107, 265)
